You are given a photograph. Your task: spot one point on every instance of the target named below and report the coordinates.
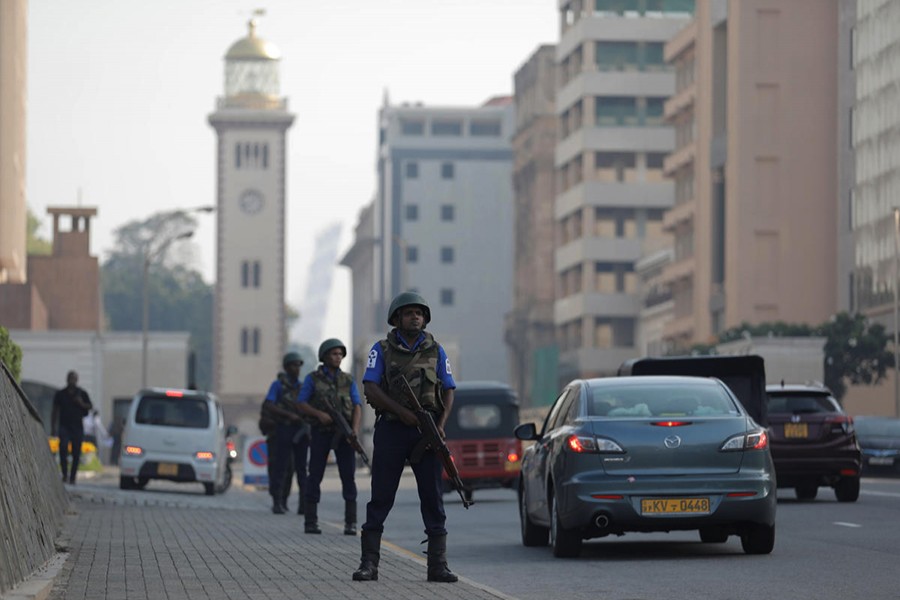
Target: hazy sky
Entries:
(119, 92)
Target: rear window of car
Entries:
(655, 400)
(802, 403)
(173, 412)
(878, 427)
(481, 417)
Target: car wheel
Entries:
(142, 482)
(532, 535)
(758, 538)
(847, 489)
(126, 483)
(806, 491)
(209, 488)
(566, 543)
(227, 482)
(713, 535)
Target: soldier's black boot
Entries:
(371, 554)
(437, 560)
(277, 508)
(350, 517)
(312, 518)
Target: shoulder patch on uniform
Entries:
(373, 356)
(447, 366)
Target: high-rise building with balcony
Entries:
(611, 192)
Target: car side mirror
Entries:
(526, 432)
(231, 430)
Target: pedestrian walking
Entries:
(325, 390)
(281, 407)
(116, 429)
(413, 353)
(70, 405)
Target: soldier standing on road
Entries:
(329, 385)
(409, 351)
(281, 406)
(70, 405)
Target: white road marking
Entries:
(843, 524)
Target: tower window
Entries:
(447, 254)
(448, 212)
(412, 170)
(446, 127)
(251, 273)
(447, 171)
(447, 296)
(412, 212)
(412, 254)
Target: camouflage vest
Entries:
(419, 367)
(336, 391)
(288, 398)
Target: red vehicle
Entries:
(480, 436)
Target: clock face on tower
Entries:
(251, 202)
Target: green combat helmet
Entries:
(330, 344)
(407, 299)
(291, 357)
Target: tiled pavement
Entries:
(124, 548)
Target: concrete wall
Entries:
(32, 498)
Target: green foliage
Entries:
(35, 244)
(178, 298)
(10, 354)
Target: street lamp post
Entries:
(896, 312)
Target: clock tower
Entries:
(251, 122)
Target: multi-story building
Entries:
(754, 221)
(442, 226)
(846, 161)
(876, 140)
(611, 192)
(251, 121)
(530, 332)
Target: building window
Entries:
(616, 56)
(447, 171)
(448, 212)
(484, 128)
(251, 156)
(412, 212)
(615, 163)
(412, 254)
(616, 111)
(447, 254)
(250, 340)
(412, 127)
(655, 160)
(447, 296)
(237, 156)
(250, 273)
(443, 127)
(653, 112)
(412, 170)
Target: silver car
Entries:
(650, 453)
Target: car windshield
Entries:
(878, 427)
(173, 412)
(794, 404)
(660, 400)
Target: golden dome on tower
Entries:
(253, 47)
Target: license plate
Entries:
(653, 506)
(167, 469)
(796, 430)
(881, 460)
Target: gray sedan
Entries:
(650, 453)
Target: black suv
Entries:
(813, 441)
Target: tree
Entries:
(10, 354)
(855, 350)
(35, 244)
(179, 299)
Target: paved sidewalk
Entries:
(125, 550)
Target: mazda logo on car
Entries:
(673, 441)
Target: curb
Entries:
(39, 585)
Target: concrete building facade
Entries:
(530, 332)
(611, 192)
(754, 170)
(251, 122)
(442, 226)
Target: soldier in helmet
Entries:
(281, 406)
(328, 384)
(410, 351)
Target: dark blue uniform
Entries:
(394, 443)
(288, 451)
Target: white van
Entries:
(178, 435)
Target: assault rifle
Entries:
(345, 431)
(432, 437)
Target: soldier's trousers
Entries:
(319, 447)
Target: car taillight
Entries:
(586, 444)
(671, 423)
(512, 457)
(840, 423)
(204, 455)
(133, 451)
(755, 440)
(174, 394)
